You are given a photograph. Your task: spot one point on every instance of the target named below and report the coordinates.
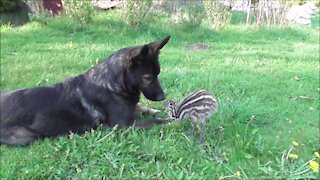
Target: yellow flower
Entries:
(293, 156)
(314, 166)
(78, 170)
(294, 143)
(238, 174)
(70, 45)
(316, 154)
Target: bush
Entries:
(193, 14)
(300, 2)
(42, 17)
(170, 6)
(218, 15)
(134, 11)
(79, 10)
(9, 5)
(189, 13)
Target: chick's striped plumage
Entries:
(199, 104)
(197, 107)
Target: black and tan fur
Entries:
(106, 94)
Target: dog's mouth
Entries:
(155, 97)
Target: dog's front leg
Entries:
(150, 123)
(124, 116)
(140, 109)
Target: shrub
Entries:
(134, 11)
(193, 14)
(9, 5)
(300, 2)
(170, 6)
(190, 13)
(79, 10)
(218, 15)
(42, 17)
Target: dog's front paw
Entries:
(154, 111)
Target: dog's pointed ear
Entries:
(138, 54)
(157, 45)
(143, 51)
(139, 51)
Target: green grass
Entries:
(259, 77)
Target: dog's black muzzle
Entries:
(153, 91)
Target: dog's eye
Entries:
(147, 78)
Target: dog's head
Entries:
(144, 69)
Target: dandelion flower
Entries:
(78, 170)
(314, 166)
(316, 154)
(70, 45)
(295, 143)
(293, 156)
(238, 174)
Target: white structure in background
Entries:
(301, 14)
(242, 5)
(106, 4)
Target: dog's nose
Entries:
(160, 97)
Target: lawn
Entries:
(266, 82)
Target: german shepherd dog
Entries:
(106, 94)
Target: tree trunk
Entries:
(259, 16)
(36, 6)
(248, 13)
